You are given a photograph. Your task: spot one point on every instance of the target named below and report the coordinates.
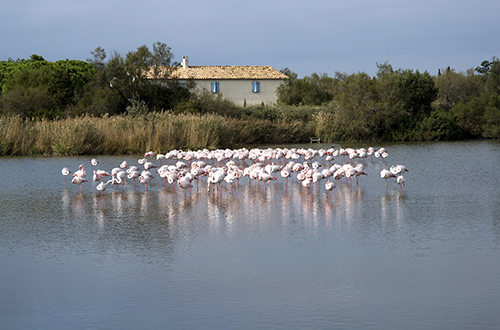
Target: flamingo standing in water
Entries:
(78, 180)
(145, 179)
(184, 182)
(94, 162)
(386, 174)
(65, 171)
(329, 185)
(285, 173)
(101, 187)
(401, 181)
(81, 171)
(266, 177)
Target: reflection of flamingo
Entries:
(65, 171)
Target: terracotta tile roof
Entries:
(221, 72)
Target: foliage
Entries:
(75, 107)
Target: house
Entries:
(241, 84)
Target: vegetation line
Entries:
(131, 103)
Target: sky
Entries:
(305, 36)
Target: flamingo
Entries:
(120, 178)
(266, 177)
(101, 187)
(285, 173)
(81, 171)
(329, 185)
(99, 175)
(215, 177)
(78, 180)
(145, 179)
(65, 171)
(149, 165)
(398, 169)
(184, 182)
(401, 181)
(386, 174)
(94, 162)
(133, 175)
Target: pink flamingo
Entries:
(329, 185)
(81, 171)
(78, 180)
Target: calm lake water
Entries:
(281, 257)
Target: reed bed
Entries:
(159, 132)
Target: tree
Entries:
(454, 87)
(310, 90)
(416, 92)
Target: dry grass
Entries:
(125, 134)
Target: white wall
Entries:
(240, 90)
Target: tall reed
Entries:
(154, 131)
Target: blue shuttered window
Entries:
(255, 87)
(215, 86)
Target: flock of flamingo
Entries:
(228, 166)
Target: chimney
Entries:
(185, 63)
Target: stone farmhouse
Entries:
(244, 85)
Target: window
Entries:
(215, 86)
(255, 87)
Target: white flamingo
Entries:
(65, 171)
(401, 181)
(78, 180)
(329, 185)
(101, 187)
(386, 174)
(81, 171)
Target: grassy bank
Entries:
(155, 131)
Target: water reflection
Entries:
(251, 248)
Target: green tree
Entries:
(311, 90)
(454, 87)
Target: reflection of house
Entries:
(241, 84)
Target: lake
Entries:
(280, 256)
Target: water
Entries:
(284, 257)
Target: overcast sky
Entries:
(306, 36)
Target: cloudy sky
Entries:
(306, 36)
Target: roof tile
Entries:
(221, 72)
